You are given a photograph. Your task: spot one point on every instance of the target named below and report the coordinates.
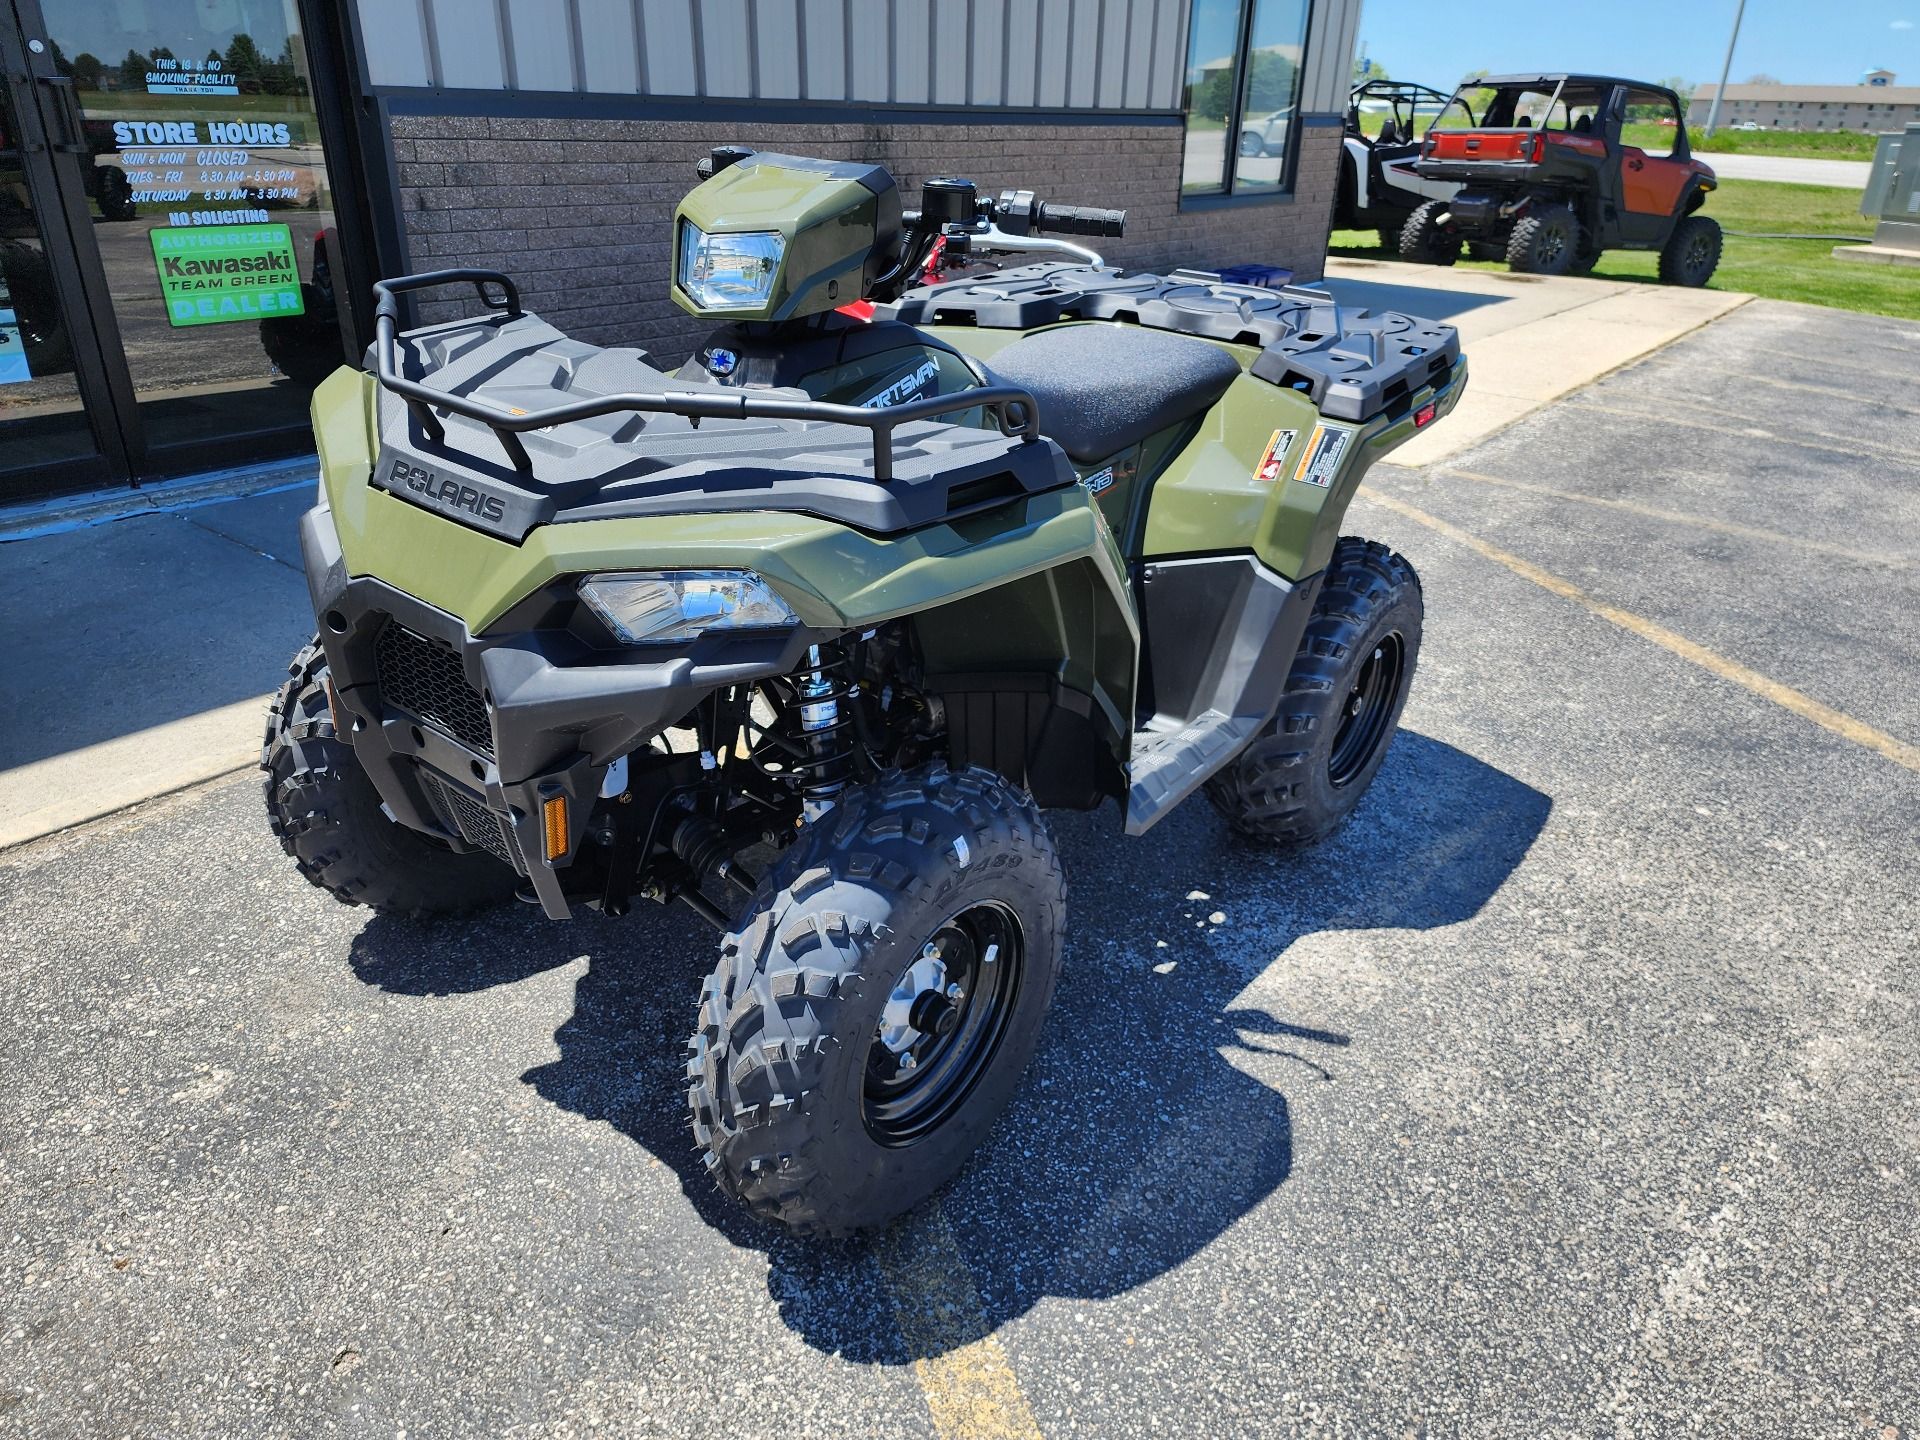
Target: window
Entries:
(1242, 96)
(1652, 123)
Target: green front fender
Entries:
(1037, 585)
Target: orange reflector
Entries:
(555, 811)
(340, 727)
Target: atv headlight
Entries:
(645, 606)
(729, 272)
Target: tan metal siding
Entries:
(1021, 54)
(541, 35)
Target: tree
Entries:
(1762, 79)
(87, 70)
(1365, 69)
(1270, 87)
(1681, 86)
(133, 71)
(244, 62)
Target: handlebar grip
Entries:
(1078, 219)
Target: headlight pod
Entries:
(644, 606)
(729, 272)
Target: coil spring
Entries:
(824, 719)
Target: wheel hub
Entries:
(942, 1022)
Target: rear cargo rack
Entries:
(1013, 409)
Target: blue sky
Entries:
(1828, 44)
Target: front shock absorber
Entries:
(825, 690)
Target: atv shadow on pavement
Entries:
(1136, 1138)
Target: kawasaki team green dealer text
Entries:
(811, 632)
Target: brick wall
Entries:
(579, 212)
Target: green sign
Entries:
(210, 274)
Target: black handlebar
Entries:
(1014, 410)
(1078, 219)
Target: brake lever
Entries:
(992, 237)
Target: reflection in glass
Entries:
(206, 150)
(1270, 96)
(1213, 43)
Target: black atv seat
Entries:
(1102, 388)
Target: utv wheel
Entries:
(327, 816)
(1425, 240)
(1300, 778)
(872, 1014)
(1692, 252)
(1544, 241)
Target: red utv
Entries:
(1547, 183)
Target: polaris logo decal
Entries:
(445, 492)
(907, 387)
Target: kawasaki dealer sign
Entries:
(214, 273)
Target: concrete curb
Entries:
(61, 791)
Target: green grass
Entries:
(1797, 145)
(1802, 270)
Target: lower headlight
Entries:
(641, 606)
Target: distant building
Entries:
(1874, 105)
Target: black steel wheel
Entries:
(1544, 241)
(1301, 777)
(1692, 252)
(873, 1011)
(1367, 713)
(942, 1024)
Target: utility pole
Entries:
(1713, 110)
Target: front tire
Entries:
(922, 917)
(327, 816)
(1301, 777)
(1425, 240)
(1692, 252)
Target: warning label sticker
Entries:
(1320, 462)
(1275, 459)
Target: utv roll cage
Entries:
(1014, 410)
(1610, 109)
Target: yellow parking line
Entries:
(1825, 716)
(972, 1392)
(1683, 517)
(1832, 392)
(1803, 439)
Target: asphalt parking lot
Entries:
(1572, 1090)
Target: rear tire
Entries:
(1422, 238)
(327, 816)
(802, 1106)
(1692, 252)
(1544, 241)
(1299, 779)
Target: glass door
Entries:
(50, 436)
(206, 206)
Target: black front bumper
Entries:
(544, 711)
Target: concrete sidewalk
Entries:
(141, 651)
(143, 648)
(1529, 339)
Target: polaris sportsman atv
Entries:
(1548, 182)
(808, 634)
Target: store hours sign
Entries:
(212, 274)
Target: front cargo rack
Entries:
(1014, 410)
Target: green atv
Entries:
(809, 633)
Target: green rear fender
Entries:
(1038, 586)
(1265, 472)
